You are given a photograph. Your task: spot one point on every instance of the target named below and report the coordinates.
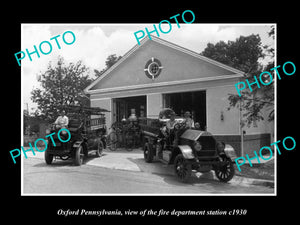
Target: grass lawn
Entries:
(258, 171)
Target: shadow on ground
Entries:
(57, 162)
(168, 174)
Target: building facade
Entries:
(158, 74)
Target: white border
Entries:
(275, 109)
(116, 194)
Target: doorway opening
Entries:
(194, 102)
(122, 107)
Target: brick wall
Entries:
(252, 142)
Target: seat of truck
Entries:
(74, 125)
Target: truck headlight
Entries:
(197, 146)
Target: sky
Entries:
(95, 42)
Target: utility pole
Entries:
(241, 127)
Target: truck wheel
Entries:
(48, 157)
(100, 149)
(79, 155)
(226, 172)
(182, 168)
(148, 153)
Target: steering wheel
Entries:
(179, 126)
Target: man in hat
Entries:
(62, 120)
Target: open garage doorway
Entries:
(195, 102)
(122, 107)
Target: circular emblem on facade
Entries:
(153, 68)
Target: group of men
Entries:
(63, 121)
(169, 132)
(189, 122)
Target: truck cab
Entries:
(87, 129)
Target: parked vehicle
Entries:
(87, 128)
(191, 150)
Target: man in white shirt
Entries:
(188, 120)
(171, 140)
(62, 121)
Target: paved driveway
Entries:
(134, 161)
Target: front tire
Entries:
(182, 168)
(79, 155)
(48, 157)
(226, 172)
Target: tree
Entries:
(244, 54)
(110, 61)
(62, 85)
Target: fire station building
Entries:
(158, 74)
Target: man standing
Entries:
(62, 121)
(188, 120)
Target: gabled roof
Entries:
(235, 72)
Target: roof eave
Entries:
(164, 42)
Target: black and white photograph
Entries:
(149, 114)
(145, 109)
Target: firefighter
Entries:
(62, 120)
(188, 120)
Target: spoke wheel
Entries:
(226, 172)
(99, 149)
(182, 168)
(79, 156)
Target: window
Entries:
(153, 68)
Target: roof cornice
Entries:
(163, 84)
(166, 43)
